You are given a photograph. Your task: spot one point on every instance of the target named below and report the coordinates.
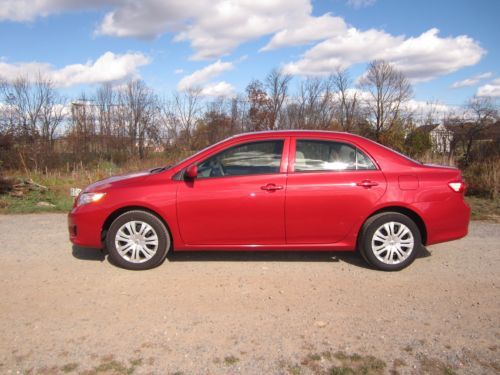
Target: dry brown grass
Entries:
(60, 181)
(485, 209)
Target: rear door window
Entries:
(319, 155)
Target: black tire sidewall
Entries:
(164, 241)
(373, 224)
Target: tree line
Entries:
(39, 128)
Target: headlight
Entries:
(89, 198)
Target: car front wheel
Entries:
(390, 241)
(137, 240)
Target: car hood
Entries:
(116, 181)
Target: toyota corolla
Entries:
(283, 191)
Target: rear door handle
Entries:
(367, 183)
(271, 187)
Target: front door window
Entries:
(242, 160)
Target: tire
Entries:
(137, 240)
(390, 241)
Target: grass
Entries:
(294, 369)
(231, 360)
(69, 367)
(59, 184)
(357, 364)
(110, 365)
(342, 371)
(28, 203)
(343, 364)
(314, 357)
(434, 366)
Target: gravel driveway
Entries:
(68, 310)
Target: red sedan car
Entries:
(283, 190)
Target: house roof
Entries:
(427, 128)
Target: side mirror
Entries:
(191, 172)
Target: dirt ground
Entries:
(68, 310)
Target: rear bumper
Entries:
(85, 228)
(446, 220)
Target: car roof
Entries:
(296, 132)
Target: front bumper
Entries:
(85, 226)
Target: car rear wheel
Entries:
(390, 241)
(137, 240)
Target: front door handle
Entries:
(271, 187)
(367, 183)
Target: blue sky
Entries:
(449, 49)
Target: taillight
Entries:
(457, 186)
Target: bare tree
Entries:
(348, 101)
(168, 122)
(277, 88)
(7, 112)
(187, 109)
(35, 107)
(309, 96)
(431, 114)
(314, 105)
(32, 111)
(389, 89)
(139, 102)
(480, 112)
(25, 100)
(52, 113)
(238, 113)
(106, 101)
(83, 126)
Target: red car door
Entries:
(237, 198)
(331, 186)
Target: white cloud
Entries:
(148, 18)
(311, 29)
(179, 71)
(422, 109)
(471, 81)
(216, 28)
(420, 58)
(218, 89)
(213, 28)
(429, 55)
(199, 77)
(223, 25)
(109, 67)
(419, 108)
(341, 51)
(28, 10)
(490, 89)
(357, 4)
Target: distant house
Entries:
(441, 137)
